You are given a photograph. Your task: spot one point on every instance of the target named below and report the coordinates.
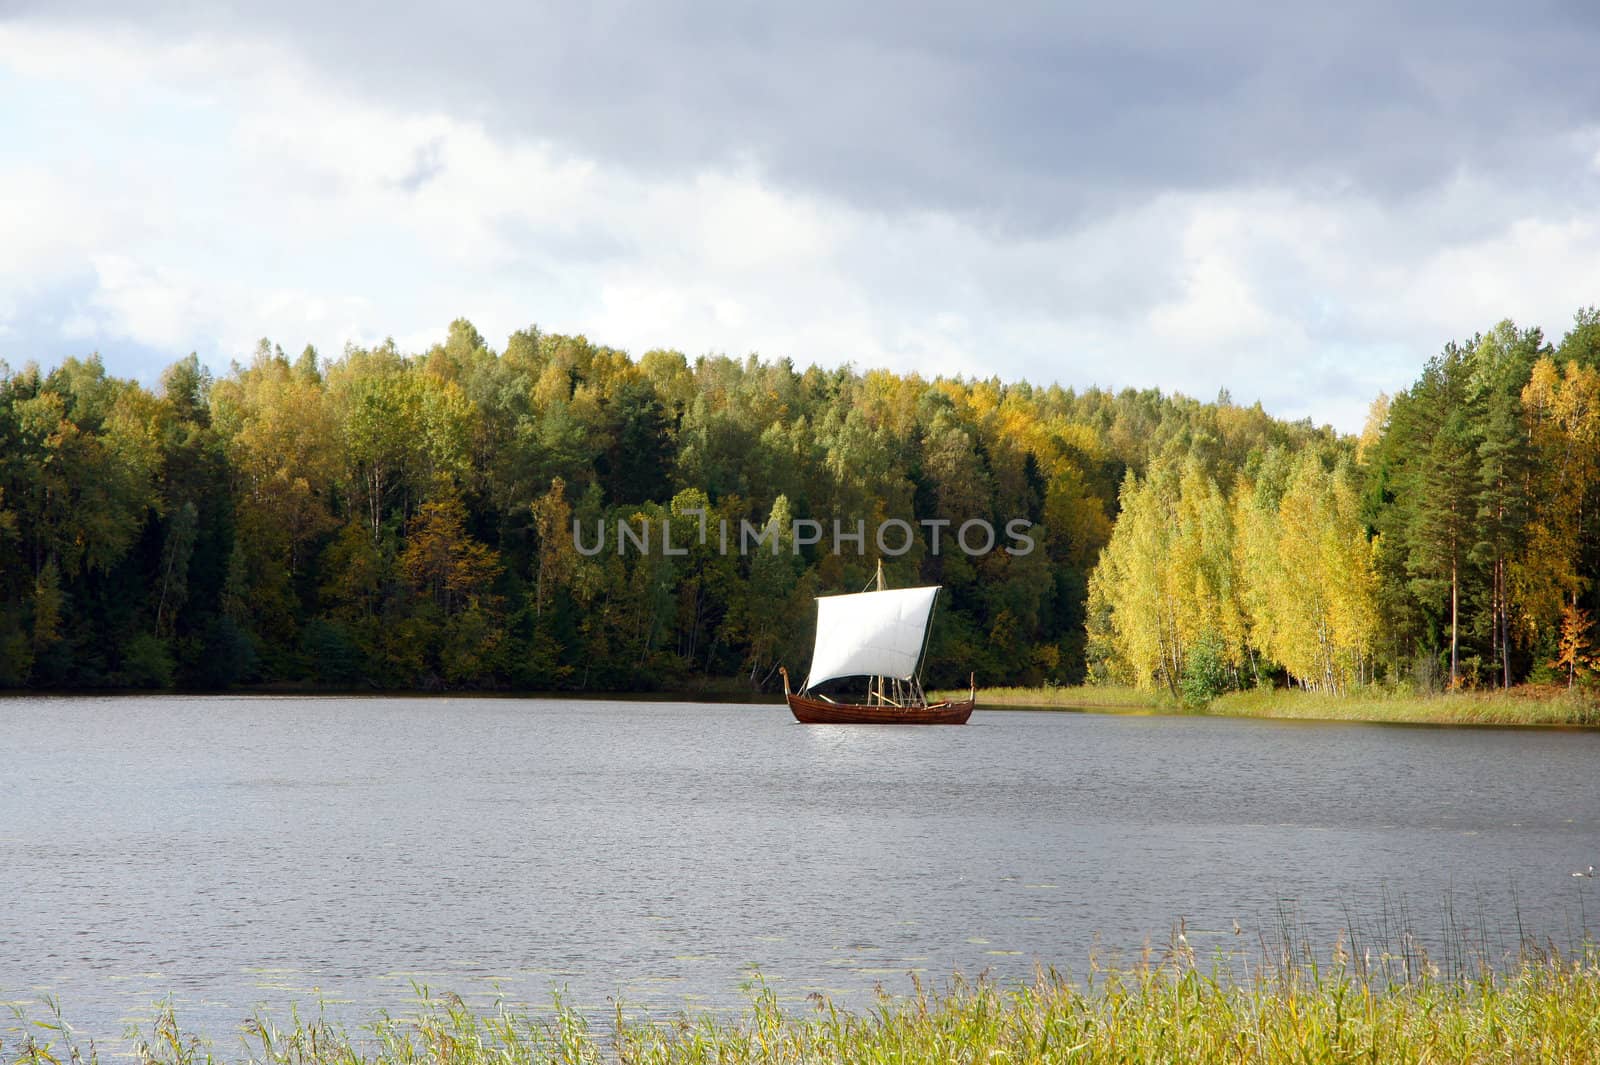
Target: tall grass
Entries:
(1084, 696)
(1546, 1008)
(1525, 705)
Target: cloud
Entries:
(1031, 114)
(1189, 202)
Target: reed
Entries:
(1527, 704)
(1077, 696)
(1545, 1008)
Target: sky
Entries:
(1298, 204)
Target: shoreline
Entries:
(1403, 1009)
(1522, 706)
(1525, 705)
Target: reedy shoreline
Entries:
(1547, 1009)
(1523, 705)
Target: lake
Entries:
(229, 851)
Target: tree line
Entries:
(393, 520)
(1453, 544)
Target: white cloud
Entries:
(218, 190)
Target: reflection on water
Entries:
(234, 851)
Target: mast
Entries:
(876, 693)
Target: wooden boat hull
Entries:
(820, 712)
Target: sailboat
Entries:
(882, 635)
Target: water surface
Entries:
(231, 851)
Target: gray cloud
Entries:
(1027, 116)
(426, 164)
(1299, 204)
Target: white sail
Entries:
(872, 634)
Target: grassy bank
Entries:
(1527, 704)
(1548, 1010)
(1080, 696)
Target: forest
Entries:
(386, 520)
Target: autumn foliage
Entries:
(401, 520)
